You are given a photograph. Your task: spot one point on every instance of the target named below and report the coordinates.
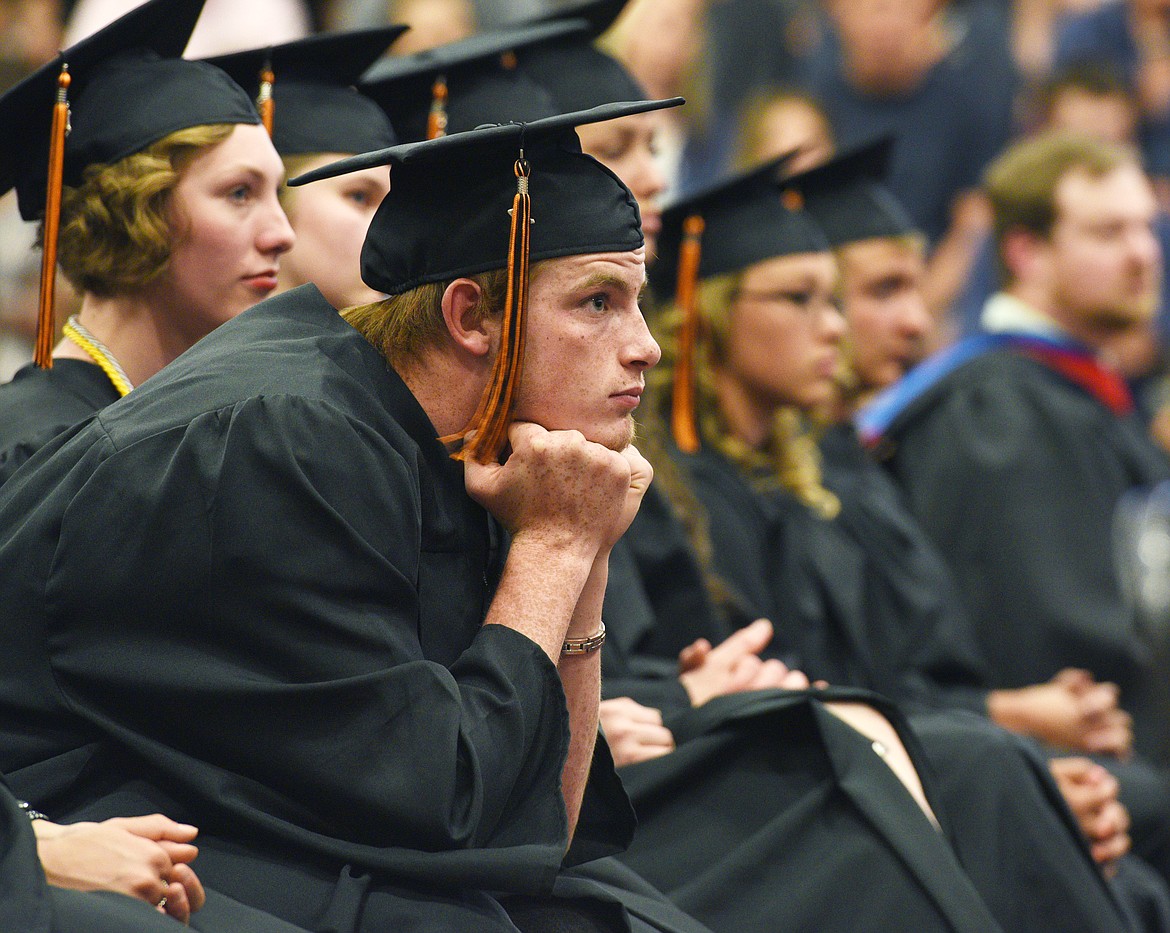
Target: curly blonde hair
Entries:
(789, 459)
(116, 233)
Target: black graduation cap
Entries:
(574, 72)
(127, 89)
(495, 197)
(600, 14)
(109, 96)
(315, 107)
(578, 76)
(745, 220)
(462, 85)
(723, 228)
(847, 196)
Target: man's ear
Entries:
(466, 323)
(1022, 252)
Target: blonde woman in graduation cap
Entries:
(159, 205)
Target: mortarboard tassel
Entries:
(437, 118)
(493, 417)
(43, 354)
(264, 101)
(682, 402)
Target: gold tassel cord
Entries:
(493, 416)
(99, 353)
(682, 402)
(265, 103)
(43, 353)
(437, 118)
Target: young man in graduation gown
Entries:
(309, 633)
(1015, 447)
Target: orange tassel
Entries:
(493, 416)
(264, 102)
(46, 329)
(437, 118)
(682, 402)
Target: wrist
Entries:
(556, 544)
(575, 646)
(1004, 707)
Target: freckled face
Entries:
(331, 218)
(588, 346)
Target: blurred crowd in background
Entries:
(953, 80)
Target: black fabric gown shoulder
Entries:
(914, 613)
(1015, 472)
(38, 404)
(250, 595)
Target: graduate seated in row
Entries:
(398, 704)
(306, 91)
(1042, 442)
(788, 353)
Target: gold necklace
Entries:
(99, 353)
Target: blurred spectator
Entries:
(432, 23)
(30, 34)
(224, 26)
(662, 43)
(1132, 36)
(1035, 25)
(758, 44)
(1095, 101)
(784, 121)
(940, 78)
(435, 17)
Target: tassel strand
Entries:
(46, 329)
(682, 402)
(493, 416)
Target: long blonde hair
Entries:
(789, 459)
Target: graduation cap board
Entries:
(462, 85)
(599, 14)
(723, 228)
(575, 73)
(305, 90)
(109, 96)
(495, 197)
(847, 196)
(578, 76)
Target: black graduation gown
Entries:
(1015, 472)
(38, 404)
(913, 611)
(1006, 822)
(250, 595)
(768, 804)
(852, 598)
